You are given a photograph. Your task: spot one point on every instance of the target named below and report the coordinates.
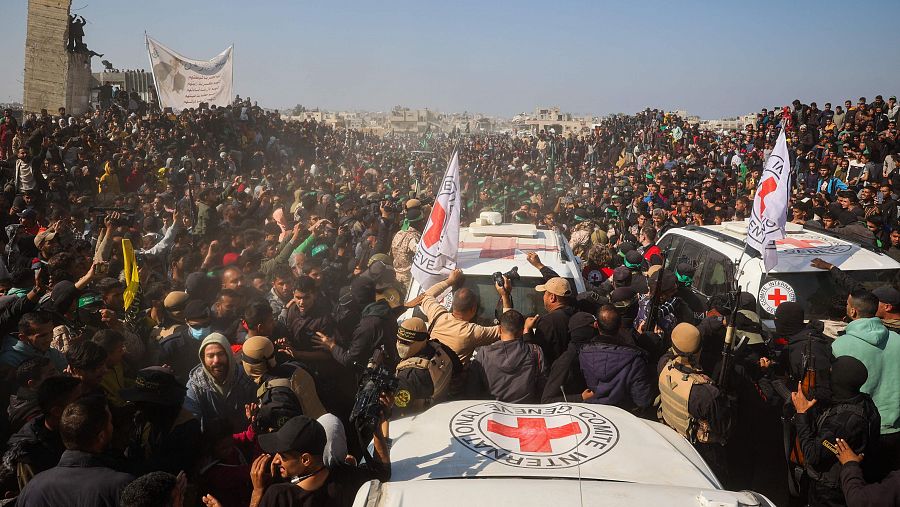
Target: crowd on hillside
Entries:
(189, 301)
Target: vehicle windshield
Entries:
(821, 297)
(524, 298)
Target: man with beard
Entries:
(226, 315)
(217, 387)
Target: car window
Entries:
(717, 276)
(694, 254)
(670, 243)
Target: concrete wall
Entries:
(47, 63)
(78, 83)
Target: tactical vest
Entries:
(440, 367)
(832, 476)
(277, 404)
(674, 391)
(302, 387)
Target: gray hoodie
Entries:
(207, 399)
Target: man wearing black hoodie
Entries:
(852, 417)
(807, 349)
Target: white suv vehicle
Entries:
(485, 249)
(716, 249)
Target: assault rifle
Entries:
(729, 348)
(653, 309)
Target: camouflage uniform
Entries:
(403, 248)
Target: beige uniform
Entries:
(459, 335)
(403, 248)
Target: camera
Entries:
(511, 275)
(390, 206)
(376, 380)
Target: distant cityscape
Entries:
(404, 120)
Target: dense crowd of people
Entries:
(190, 300)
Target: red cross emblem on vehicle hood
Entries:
(801, 243)
(533, 433)
(504, 248)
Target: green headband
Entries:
(630, 265)
(88, 300)
(687, 280)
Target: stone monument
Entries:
(57, 64)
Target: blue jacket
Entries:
(208, 401)
(619, 375)
(14, 352)
(832, 185)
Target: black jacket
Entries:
(566, 373)
(377, 327)
(799, 347)
(34, 446)
(79, 480)
(552, 332)
(855, 420)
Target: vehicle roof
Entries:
(540, 493)
(795, 251)
(486, 249)
(485, 439)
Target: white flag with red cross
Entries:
(436, 255)
(770, 205)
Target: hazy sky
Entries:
(712, 58)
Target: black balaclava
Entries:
(789, 318)
(848, 374)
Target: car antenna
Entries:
(580, 492)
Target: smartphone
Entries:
(101, 268)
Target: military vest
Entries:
(674, 391)
(440, 367)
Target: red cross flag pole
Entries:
(770, 205)
(436, 255)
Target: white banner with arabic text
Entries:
(182, 83)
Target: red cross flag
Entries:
(436, 255)
(769, 215)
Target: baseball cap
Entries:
(621, 274)
(887, 295)
(299, 434)
(385, 258)
(28, 213)
(558, 286)
(196, 310)
(155, 384)
(622, 297)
